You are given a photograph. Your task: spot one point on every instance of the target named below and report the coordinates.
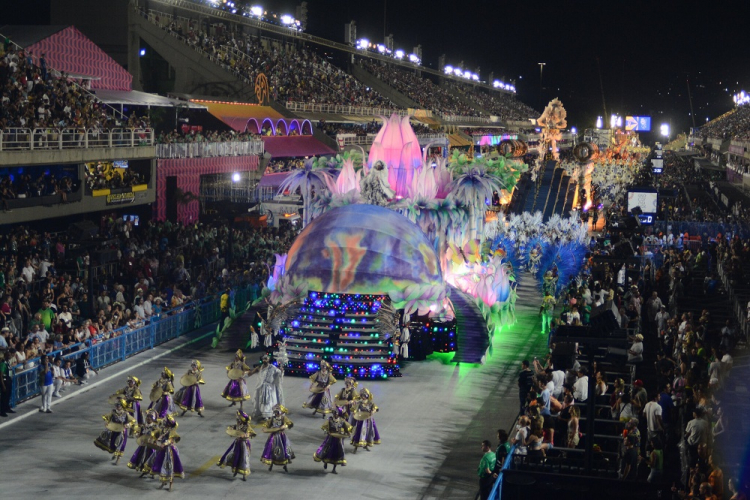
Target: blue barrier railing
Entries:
(498, 486)
(168, 326)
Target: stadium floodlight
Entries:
(497, 84)
(448, 69)
(256, 10)
(142, 52)
(475, 77)
(382, 48)
(599, 122)
(287, 19)
(214, 2)
(415, 59)
(573, 130)
(458, 72)
(236, 177)
(363, 43)
(664, 129)
(399, 54)
(613, 121)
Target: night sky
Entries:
(645, 51)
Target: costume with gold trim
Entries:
(322, 379)
(165, 405)
(365, 431)
(236, 390)
(143, 453)
(278, 449)
(331, 451)
(237, 455)
(189, 398)
(113, 441)
(166, 461)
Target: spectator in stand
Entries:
(486, 469)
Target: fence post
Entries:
(123, 349)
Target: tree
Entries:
(305, 179)
(472, 188)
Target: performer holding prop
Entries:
(331, 451)
(278, 449)
(131, 393)
(236, 389)
(146, 444)
(320, 382)
(114, 438)
(189, 397)
(237, 455)
(365, 431)
(161, 394)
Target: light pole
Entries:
(664, 130)
(541, 73)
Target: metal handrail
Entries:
(26, 139)
(209, 149)
(343, 109)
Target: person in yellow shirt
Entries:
(224, 306)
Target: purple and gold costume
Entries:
(331, 451)
(278, 449)
(322, 379)
(347, 397)
(237, 455)
(112, 441)
(236, 390)
(189, 397)
(164, 407)
(365, 431)
(165, 462)
(131, 393)
(140, 458)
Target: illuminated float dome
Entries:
(366, 249)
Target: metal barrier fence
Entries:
(343, 109)
(26, 139)
(738, 306)
(170, 325)
(209, 149)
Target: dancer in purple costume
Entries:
(347, 397)
(236, 389)
(365, 431)
(143, 453)
(237, 455)
(164, 406)
(115, 436)
(331, 451)
(189, 396)
(278, 449)
(166, 461)
(320, 382)
(131, 393)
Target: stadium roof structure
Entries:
(69, 51)
(137, 98)
(238, 114)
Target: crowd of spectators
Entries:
(33, 97)
(505, 106)
(46, 305)
(104, 175)
(285, 165)
(732, 125)
(24, 185)
(300, 75)
(180, 137)
(363, 129)
(421, 90)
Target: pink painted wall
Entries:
(188, 172)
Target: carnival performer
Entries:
(268, 392)
(253, 338)
(347, 397)
(547, 311)
(534, 258)
(237, 455)
(115, 437)
(161, 394)
(331, 451)
(365, 431)
(146, 435)
(549, 284)
(166, 460)
(278, 449)
(320, 382)
(131, 393)
(189, 396)
(236, 389)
